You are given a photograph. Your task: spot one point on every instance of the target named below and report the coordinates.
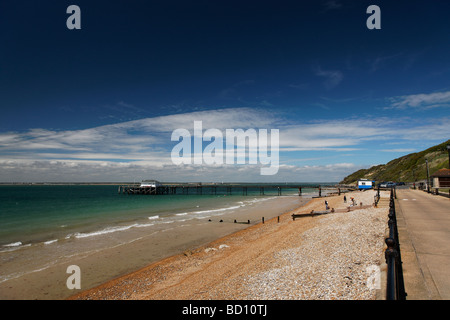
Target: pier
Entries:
(223, 188)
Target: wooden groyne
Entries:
(224, 188)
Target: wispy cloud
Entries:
(85, 171)
(399, 150)
(382, 61)
(330, 135)
(421, 101)
(332, 77)
(119, 151)
(332, 5)
(136, 140)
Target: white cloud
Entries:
(399, 150)
(318, 173)
(144, 135)
(424, 129)
(330, 135)
(421, 101)
(107, 171)
(142, 148)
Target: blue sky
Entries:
(100, 103)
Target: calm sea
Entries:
(42, 224)
(43, 213)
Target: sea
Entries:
(42, 224)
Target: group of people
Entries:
(352, 199)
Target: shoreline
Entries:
(249, 263)
(135, 248)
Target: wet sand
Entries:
(320, 257)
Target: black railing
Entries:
(395, 287)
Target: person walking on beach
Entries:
(326, 205)
(345, 199)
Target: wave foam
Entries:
(13, 244)
(217, 210)
(107, 230)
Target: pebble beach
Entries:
(322, 257)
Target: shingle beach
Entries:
(323, 257)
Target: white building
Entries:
(365, 184)
(150, 183)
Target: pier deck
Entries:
(223, 188)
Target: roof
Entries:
(442, 173)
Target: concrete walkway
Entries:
(424, 232)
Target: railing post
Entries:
(391, 256)
(391, 224)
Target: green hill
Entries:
(409, 168)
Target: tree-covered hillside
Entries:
(409, 168)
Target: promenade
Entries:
(424, 232)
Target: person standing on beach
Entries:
(345, 199)
(326, 205)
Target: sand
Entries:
(331, 256)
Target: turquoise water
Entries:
(45, 228)
(32, 214)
